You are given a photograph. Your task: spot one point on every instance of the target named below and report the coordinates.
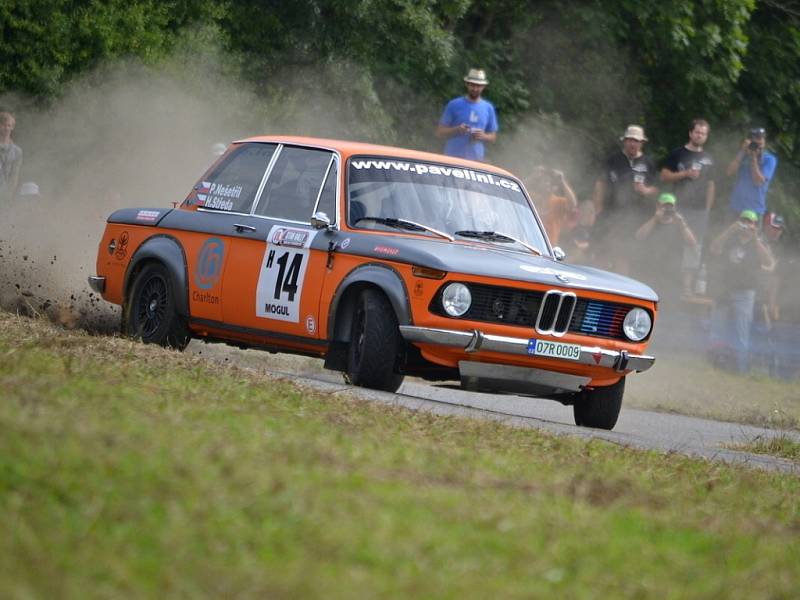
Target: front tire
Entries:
(599, 407)
(150, 313)
(375, 344)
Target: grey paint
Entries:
(133, 216)
(468, 257)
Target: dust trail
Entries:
(128, 135)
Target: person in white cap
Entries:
(624, 199)
(469, 121)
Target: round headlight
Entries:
(637, 324)
(456, 299)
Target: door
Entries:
(278, 261)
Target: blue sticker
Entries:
(209, 264)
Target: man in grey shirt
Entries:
(10, 158)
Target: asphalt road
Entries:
(636, 428)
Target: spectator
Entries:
(576, 241)
(469, 121)
(690, 170)
(10, 158)
(554, 199)
(766, 320)
(659, 260)
(754, 167)
(742, 255)
(620, 199)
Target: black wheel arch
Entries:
(379, 276)
(164, 249)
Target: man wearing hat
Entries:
(469, 121)
(622, 199)
(742, 257)
(754, 166)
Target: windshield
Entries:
(443, 199)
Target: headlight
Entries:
(637, 324)
(456, 299)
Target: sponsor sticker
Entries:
(386, 250)
(424, 169)
(311, 324)
(208, 268)
(284, 236)
(147, 215)
(283, 271)
(122, 247)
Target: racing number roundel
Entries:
(209, 264)
(283, 270)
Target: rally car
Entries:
(385, 262)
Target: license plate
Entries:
(554, 349)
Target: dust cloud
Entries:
(128, 135)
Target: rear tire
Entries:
(599, 407)
(375, 344)
(150, 313)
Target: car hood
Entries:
(492, 260)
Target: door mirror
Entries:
(320, 221)
(559, 254)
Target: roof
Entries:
(350, 148)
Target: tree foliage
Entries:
(586, 66)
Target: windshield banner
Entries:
(373, 169)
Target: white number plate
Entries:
(554, 349)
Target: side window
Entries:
(294, 184)
(327, 199)
(231, 185)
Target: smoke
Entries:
(131, 135)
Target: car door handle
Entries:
(241, 228)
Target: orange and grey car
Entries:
(385, 262)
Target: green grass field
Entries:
(131, 471)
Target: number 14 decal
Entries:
(283, 270)
(287, 279)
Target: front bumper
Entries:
(472, 341)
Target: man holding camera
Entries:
(469, 121)
(742, 257)
(754, 167)
(658, 262)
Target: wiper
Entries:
(404, 224)
(497, 236)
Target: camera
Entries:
(753, 146)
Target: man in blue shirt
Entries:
(469, 121)
(754, 167)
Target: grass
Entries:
(782, 446)
(688, 385)
(128, 470)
